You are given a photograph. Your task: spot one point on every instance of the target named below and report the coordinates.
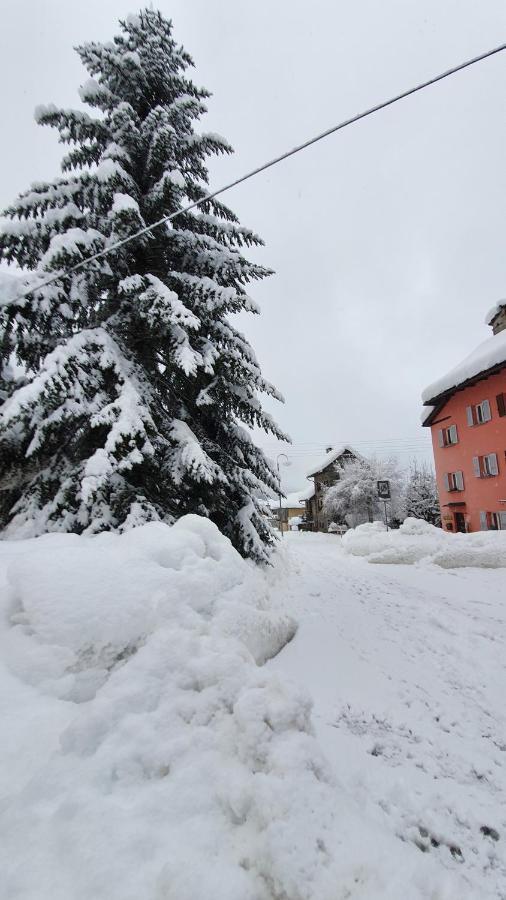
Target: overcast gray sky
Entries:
(387, 239)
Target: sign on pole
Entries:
(384, 494)
(384, 490)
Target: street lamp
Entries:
(285, 463)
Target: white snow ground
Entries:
(155, 747)
(407, 668)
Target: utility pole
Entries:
(286, 463)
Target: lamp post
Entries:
(286, 463)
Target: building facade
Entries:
(324, 475)
(309, 518)
(292, 507)
(467, 417)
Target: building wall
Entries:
(323, 480)
(287, 513)
(310, 514)
(480, 494)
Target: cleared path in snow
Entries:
(407, 669)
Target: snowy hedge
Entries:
(416, 540)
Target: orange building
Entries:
(467, 417)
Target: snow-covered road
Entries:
(407, 669)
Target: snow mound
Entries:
(416, 540)
(143, 738)
(82, 606)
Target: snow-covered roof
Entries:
(291, 501)
(425, 413)
(331, 457)
(493, 311)
(307, 494)
(488, 354)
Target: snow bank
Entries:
(416, 540)
(165, 755)
(146, 754)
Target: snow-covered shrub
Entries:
(421, 499)
(354, 496)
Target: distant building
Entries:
(325, 474)
(308, 498)
(467, 417)
(291, 508)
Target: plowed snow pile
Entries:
(416, 540)
(147, 754)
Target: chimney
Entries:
(496, 317)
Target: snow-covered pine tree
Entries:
(421, 500)
(137, 386)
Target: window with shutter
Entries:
(501, 404)
(448, 436)
(476, 466)
(483, 521)
(490, 464)
(502, 520)
(454, 481)
(477, 415)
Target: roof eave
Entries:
(439, 401)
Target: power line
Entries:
(310, 447)
(262, 168)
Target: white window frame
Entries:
(497, 518)
(454, 481)
(479, 413)
(448, 437)
(486, 466)
(490, 464)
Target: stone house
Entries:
(323, 475)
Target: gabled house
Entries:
(292, 507)
(325, 474)
(466, 412)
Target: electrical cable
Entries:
(273, 162)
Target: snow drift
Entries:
(416, 540)
(161, 741)
(148, 754)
